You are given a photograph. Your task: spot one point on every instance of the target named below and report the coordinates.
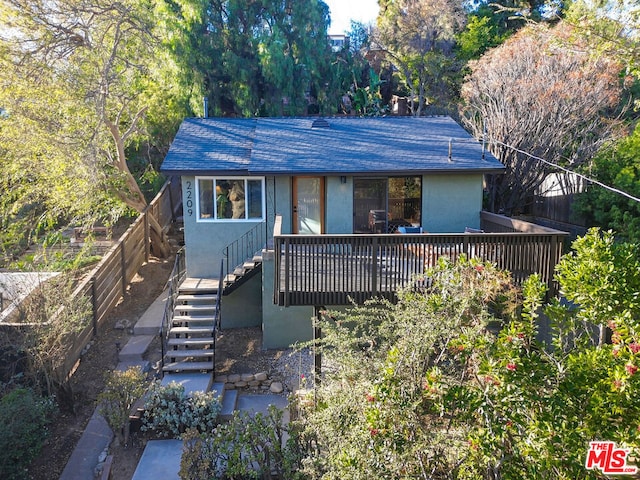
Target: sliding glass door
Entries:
(381, 205)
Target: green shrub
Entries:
(23, 416)
(121, 391)
(170, 412)
(249, 446)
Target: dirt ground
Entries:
(239, 351)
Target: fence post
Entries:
(171, 204)
(123, 268)
(554, 258)
(94, 309)
(147, 234)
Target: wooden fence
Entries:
(108, 281)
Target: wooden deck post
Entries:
(287, 273)
(317, 357)
(375, 248)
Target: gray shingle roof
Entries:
(351, 146)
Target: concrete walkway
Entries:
(97, 435)
(161, 458)
(84, 459)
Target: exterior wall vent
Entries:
(320, 123)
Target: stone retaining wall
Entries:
(258, 382)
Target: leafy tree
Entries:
(83, 73)
(417, 38)
(254, 58)
(609, 27)
(616, 165)
(485, 29)
(534, 95)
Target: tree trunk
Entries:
(134, 197)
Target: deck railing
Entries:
(335, 269)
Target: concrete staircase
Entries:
(190, 346)
(242, 273)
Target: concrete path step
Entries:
(96, 438)
(199, 285)
(229, 402)
(151, 320)
(191, 381)
(160, 460)
(135, 348)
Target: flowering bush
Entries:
(170, 412)
(455, 382)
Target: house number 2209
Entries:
(189, 198)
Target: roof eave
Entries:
(368, 173)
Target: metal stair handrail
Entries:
(217, 322)
(175, 280)
(238, 251)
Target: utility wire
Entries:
(591, 180)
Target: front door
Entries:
(308, 205)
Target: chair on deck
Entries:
(410, 229)
(378, 221)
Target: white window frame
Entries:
(263, 203)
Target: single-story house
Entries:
(345, 179)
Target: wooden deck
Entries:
(336, 269)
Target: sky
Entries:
(342, 11)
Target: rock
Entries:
(233, 378)
(229, 386)
(121, 325)
(102, 457)
(254, 383)
(241, 384)
(221, 379)
(247, 377)
(276, 387)
(261, 376)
